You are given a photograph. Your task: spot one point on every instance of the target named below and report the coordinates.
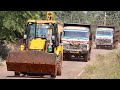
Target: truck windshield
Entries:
(76, 34)
(41, 30)
(104, 33)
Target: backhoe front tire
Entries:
(53, 75)
(17, 73)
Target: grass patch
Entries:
(105, 67)
(1, 64)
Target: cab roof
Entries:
(76, 27)
(44, 21)
(104, 28)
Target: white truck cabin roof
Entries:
(76, 27)
(104, 29)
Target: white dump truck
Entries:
(77, 41)
(107, 37)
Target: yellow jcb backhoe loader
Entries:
(41, 51)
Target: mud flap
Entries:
(32, 61)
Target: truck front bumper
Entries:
(104, 45)
(74, 51)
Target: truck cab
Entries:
(104, 37)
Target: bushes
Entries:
(12, 24)
(105, 67)
(3, 51)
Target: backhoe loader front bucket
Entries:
(32, 62)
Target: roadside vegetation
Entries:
(1, 60)
(1, 64)
(104, 67)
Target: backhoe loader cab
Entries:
(41, 51)
(45, 32)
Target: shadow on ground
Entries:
(78, 59)
(32, 77)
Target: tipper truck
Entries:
(77, 40)
(107, 37)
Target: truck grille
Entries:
(103, 41)
(68, 46)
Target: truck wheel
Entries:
(111, 47)
(97, 47)
(17, 73)
(67, 57)
(59, 64)
(64, 57)
(89, 55)
(86, 57)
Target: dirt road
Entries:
(71, 69)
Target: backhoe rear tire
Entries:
(59, 64)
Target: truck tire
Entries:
(97, 47)
(17, 73)
(86, 57)
(111, 47)
(59, 64)
(89, 54)
(67, 57)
